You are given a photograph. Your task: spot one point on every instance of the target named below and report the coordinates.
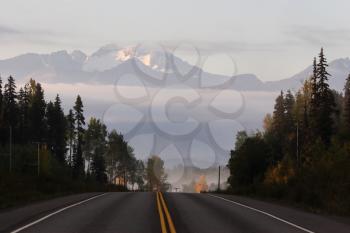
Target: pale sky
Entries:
(273, 39)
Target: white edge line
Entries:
(265, 213)
(56, 212)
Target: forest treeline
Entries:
(45, 152)
(303, 153)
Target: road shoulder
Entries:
(317, 223)
(14, 217)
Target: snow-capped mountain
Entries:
(111, 56)
(111, 61)
(77, 66)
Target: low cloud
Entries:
(212, 47)
(8, 31)
(32, 36)
(320, 36)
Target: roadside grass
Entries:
(18, 190)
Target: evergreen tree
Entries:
(322, 74)
(314, 101)
(78, 160)
(51, 130)
(326, 101)
(61, 127)
(314, 79)
(279, 115)
(346, 108)
(302, 110)
(289, 139)
(10, 104)
(37, 112)
(249, 162)
(71, 135)
(56, 123)
(277, 134)
(23, 107)
(289, 102)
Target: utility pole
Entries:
(219, 178)
(10, 149)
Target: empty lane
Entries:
(171, 212)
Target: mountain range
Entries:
(110, 62)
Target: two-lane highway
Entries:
(169, 212)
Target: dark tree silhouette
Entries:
(10, 104)
(71, 135)
(37, 112)
(56, 132)
(95, 149)
(23, 107)
(325, 102)
(2, 132)
(78, 160)
(1, 100)
(346, 108)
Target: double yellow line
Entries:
(163, 208)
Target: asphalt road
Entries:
(169, 212)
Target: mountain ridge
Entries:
(111, 61)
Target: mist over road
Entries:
(167, 212)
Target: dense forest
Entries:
(45, 152)
(303, 154)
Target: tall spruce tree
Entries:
(61, 127)
(78, 160)
(23, 107)
(314, 101)
(37, 112)
(326, 101)
(303, 103)
(279, 119)
(278, 127)
(346, 108)
(289, 102)
(289, 124)
(56, 123)
(71, 135)
(51, 129)
(10, 104)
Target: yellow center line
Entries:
(161, 216)
(167, 214)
